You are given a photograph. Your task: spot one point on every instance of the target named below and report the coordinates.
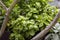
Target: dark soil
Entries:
(5, 36)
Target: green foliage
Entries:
(15, 36)
(28, 17)
(1, 15)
